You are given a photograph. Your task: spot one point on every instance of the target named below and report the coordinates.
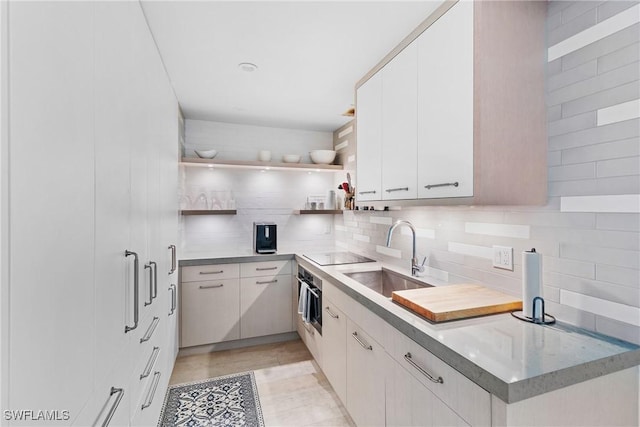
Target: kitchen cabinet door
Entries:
(445, 105)
(399, 125)
(365, 378)
(51, 207)
(265, 305)
(334, 335)
(210, 312)
(114, 57)
(410, 403)
(369, 142)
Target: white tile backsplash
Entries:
(601, 203)
(595, 33)
(471, 250)
(621, 312)
(617, 113)
(504, 230)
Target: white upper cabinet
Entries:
(461, 113)
(399, 125)
(369, 143)
(445, 105)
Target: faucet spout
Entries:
(415, 267)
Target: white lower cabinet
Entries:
(467, 399)
(265, 305)
(334, 337)
(410, 403)
(225, 302)
(210, 312)
(385, 378)
(365, 377)
(312, 339)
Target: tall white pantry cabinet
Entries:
(89, 171)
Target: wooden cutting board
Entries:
(451, 302)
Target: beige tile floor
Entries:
(292, 389)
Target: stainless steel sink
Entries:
(385, 281)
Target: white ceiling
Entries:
(309, 54)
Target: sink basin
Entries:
(385, 281)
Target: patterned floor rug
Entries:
(231, 400)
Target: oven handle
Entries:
(310, 290)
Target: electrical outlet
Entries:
(503, 257)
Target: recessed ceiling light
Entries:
(247, 67)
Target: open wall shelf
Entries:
(310, 167)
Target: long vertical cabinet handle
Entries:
(136, 285)
(152, 392)
(172, 248)
(114, 407)
(150, 267)
(154, 267)
(174, 299)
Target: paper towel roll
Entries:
(531, 280)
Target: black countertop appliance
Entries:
(265, 237)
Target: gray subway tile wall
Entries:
(602, 47)
(591, 254)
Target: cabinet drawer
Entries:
(265, 268)
(199, 273)
(467, 399)
(210, 312)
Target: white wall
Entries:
(591, 247)
(259, 195)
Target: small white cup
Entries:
(264, 155)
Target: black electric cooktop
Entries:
(337, 258)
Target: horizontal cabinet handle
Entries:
(211, 286)
(152, 392)
(365, 346)
(114, 407)
(332, 314)
(444, 184)
(152, 327)
(391, 190)
(266, 282)
(367, 192)
(266, 268)
(431, 378)
(150, 363)
(211, 272)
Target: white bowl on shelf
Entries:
(291, 158)
(206, 154)
(322, 157)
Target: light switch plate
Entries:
(503, 257)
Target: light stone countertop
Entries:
(512, 359)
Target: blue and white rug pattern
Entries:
(231, 400)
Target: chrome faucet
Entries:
(415, 268)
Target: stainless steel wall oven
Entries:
(310, 298)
